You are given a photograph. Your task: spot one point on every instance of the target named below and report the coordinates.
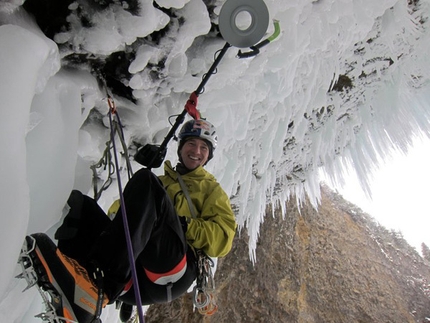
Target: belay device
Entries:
(242, 24)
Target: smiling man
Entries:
(197, 142)
(210, 204)
(194, 153)
(172, 220)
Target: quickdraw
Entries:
(106, 161)
(203, 293)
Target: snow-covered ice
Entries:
(277, 116)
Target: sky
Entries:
(399, 193)
(275, 115)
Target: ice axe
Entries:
(242, 24)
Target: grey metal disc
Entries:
(256, 13)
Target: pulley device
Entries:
(242, 24)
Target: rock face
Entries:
(331, 265)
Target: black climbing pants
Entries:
(157, 237)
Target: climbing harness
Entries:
(113, 113)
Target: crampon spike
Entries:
(29, 273)
(27, 266)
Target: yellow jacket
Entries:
(214, 228)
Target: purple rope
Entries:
(126, 228)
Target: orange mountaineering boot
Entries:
(69, 293)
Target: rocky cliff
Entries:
(334, 264)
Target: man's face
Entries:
(194, 152)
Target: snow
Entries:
(51, 134)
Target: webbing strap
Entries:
(187, 196)
(191, 106)
(205, 280)
(98, 277)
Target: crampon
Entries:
(35, 275)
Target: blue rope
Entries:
(126, 227)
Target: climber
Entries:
(90, 267)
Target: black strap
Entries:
(98, 278)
